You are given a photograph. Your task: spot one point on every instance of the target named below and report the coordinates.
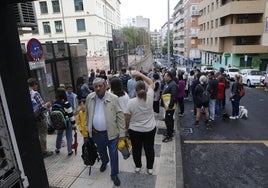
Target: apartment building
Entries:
(76, 21)
(163, 32)
(185, 30)
(232, 33)
(155, 41)
(138, 21)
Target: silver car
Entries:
(250, 77)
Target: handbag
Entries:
(166, 100)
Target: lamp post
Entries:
(168, 40)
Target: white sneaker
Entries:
(237, 117)
(232, 117)
(137, 170)
(150, 171)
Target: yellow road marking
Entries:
(265, 142)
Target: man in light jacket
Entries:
(105, 124)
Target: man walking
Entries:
(106, 124)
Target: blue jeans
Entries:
(212, 104)
(219, 107)
(101, 139)
(69, 137)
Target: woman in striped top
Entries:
(61, 99)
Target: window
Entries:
(43, 7)
(56, 6)
(80, 24)
(78, 5)
(266, 24)
(58, 26)
(61, 45)
(83, 41)
(46, 27)
(49, 46)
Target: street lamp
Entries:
(168, 40)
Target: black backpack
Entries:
(205, 97)
(89, 153)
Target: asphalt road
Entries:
(234, 153)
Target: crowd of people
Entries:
(109, 107)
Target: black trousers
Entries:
(169, 122)
(145, 139)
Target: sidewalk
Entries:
(70, 172)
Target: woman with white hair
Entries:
(200, 101)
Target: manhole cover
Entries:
(187, 130)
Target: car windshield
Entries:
(233, 70)
(256, 72)
(209, 68)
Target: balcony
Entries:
(247, 49)
(247, 29)
(232, 30)
(242, 7)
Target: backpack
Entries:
(36, 109)
(58, 117)
(242, 91)
(205, 97)
(89, 153)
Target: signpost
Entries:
(35, 53)
(34, 49)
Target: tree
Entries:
(164, 48)
(135, 36)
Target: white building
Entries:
(163, 32)
(139, 21)
(89, 22)
(156, 41)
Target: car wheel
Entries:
(248, 83)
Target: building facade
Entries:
(77, 21)
(185, 30)
(232, 33)
(155, 41)
(138, 21)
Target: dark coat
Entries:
(172, 88)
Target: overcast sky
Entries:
(156, 10)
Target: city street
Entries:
(233, 153)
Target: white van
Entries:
(206, 69)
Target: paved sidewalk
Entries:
(69, 171)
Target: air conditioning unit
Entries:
(25, 14)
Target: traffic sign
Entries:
(34, 49)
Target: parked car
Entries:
(206, 69)
(251, 77)
(264, 79)
(231, 72)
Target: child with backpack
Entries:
(62, 118)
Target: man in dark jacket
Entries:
(171, 88)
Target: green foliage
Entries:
(135, 36)
(165, 46)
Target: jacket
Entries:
(172, 88)
(81, 123)
(114, 116)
